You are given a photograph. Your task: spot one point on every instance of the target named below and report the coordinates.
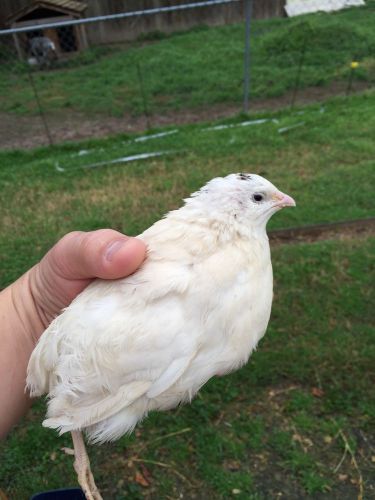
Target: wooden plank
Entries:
(18, 46)
(36, 22)
(316, 231)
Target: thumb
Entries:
(105, 254)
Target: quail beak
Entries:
(283, 200)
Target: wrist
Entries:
(19, 332)
(23, 314)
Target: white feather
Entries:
(196, 308)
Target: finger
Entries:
(105, 254)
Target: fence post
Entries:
(299, 71)
(40, 109)
(248, 11)
(143, 94)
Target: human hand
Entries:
(32, 302)
(73, 263)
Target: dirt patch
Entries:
(318, 232)
(29, 131)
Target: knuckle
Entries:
(71, 236)
(95, 242)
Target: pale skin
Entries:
(28, 305)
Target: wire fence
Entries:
(56, 85)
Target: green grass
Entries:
(280, 423)
(201, 67)
(326, 164)
(260, 430)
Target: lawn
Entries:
(326, 169)
(298, 420)
(201, 67)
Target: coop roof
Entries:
(72, 7)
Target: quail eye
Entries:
(258, 197)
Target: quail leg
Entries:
(82, 468)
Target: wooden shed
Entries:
(66, 39)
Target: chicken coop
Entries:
(61, 41)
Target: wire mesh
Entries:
(73, 81)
